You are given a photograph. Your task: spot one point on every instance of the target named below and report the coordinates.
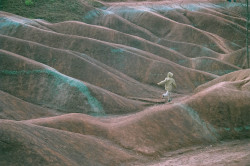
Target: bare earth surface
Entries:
(78, 83)
(231, 153)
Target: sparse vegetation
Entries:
(50, 10)
(95, 3)
(28, 2)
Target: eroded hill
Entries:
(82, 89)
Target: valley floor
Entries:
(225, 153)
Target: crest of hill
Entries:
(241, 77)
(32, 144)
(43, 85)
(13, 108)
(136, 64)
(237, 58)
(207, 116)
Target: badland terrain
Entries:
(78, 83)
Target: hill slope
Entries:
(78, 80)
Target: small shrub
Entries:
(28, 2)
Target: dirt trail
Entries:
(176, 98)
(225, 153)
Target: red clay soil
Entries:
(86, 93)
(226, 153)
(198, 118)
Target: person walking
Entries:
(169, 83)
